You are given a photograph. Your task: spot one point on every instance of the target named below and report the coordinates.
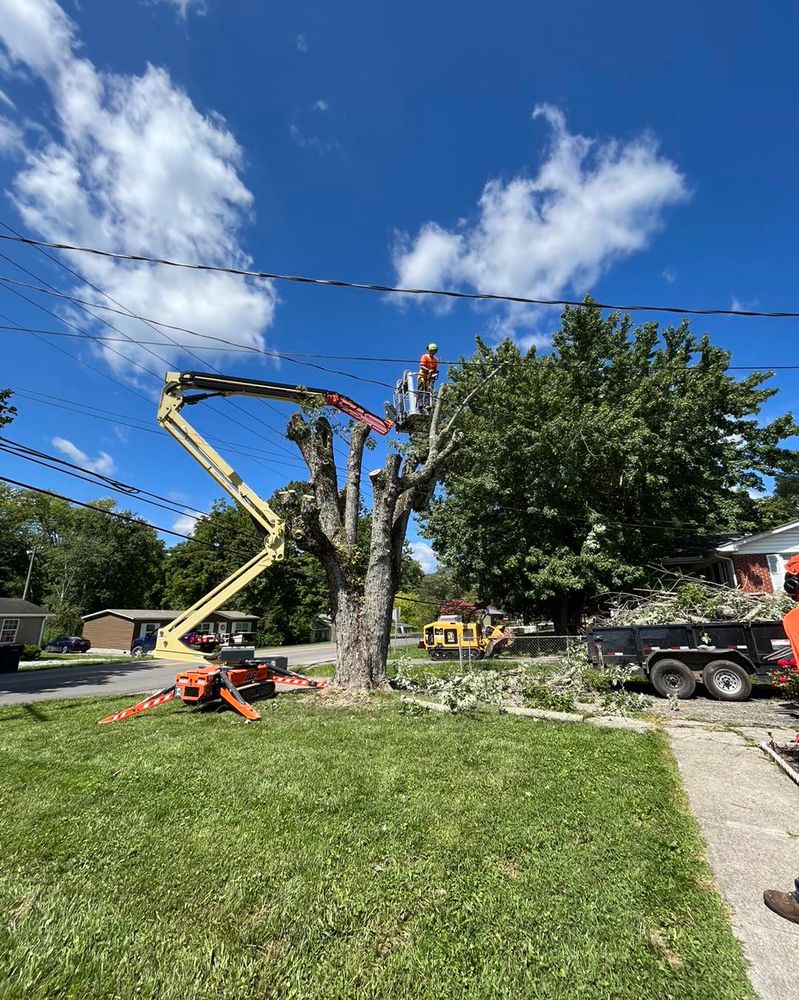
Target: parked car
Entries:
(203, 641)
(68, 644)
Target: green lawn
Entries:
(348, 852)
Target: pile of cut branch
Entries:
(689, 600)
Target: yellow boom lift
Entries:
(231, 672)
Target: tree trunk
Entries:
(361, 648)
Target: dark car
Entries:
(68, 644)
(145, 644)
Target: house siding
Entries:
(29, 630)
(753, 573)
(109, 632)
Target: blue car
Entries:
(68, 644)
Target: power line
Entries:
(244, 349)
(58, 464)
(102, 510)
(393, 289)
(84, 410)
(81, 303)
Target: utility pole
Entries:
(32, 553)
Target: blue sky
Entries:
(642, 154)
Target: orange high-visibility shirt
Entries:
(791, 625)
(429, 363)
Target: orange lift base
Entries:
(219, 683)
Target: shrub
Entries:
(788, 680)
(31, 653)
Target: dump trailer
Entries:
(451, 639)
(723, 656)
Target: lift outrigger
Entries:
(232, 674)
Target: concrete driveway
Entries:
(130, 678)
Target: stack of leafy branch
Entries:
(692, 602)
(559, 689)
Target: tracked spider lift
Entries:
(232, 674)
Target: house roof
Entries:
(161, 614)
(21, 609)
(783, 538)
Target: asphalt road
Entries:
(129, 678)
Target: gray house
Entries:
(21, 621)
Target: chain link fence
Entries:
(541, 645)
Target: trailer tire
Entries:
(670, 676)
(727, 681)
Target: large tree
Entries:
(326, 521)
(585, 463)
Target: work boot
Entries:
(785, 904)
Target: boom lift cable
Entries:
(393, 289)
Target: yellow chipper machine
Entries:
(231, 674)
(449, 638)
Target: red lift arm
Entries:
(227, 385)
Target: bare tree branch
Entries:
(352, 493)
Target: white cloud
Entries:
(5, 99)
(424, 555)
(184, 6)
(301, 41)
(589, 203)
(10, 136)
(668, 275)
(310, 141)
(135, 166)
(103, 464)
(185, 524)
(320, 105)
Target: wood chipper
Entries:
(451, 639)
(230, 674)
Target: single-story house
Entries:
(754, 563)
(116, 628)
(323, 629)
(21, 621)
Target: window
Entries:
(205, 628)
(8, 633)
(149, 628)
(241, 627)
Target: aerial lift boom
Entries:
(230, 667)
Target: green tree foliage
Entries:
(7, 411)
(84, 560)
(288, 597)
(585, 464)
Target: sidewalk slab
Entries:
(748, 812)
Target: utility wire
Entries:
(393, 289)
(82, 304)
(70, 405)
(102, 510)
(20, 450)
(244, 349)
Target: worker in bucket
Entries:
(428, 369)
(786, 904)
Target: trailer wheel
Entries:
(727, 681)
(672, 677)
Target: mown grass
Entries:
(334, 852)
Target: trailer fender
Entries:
(697, 659)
